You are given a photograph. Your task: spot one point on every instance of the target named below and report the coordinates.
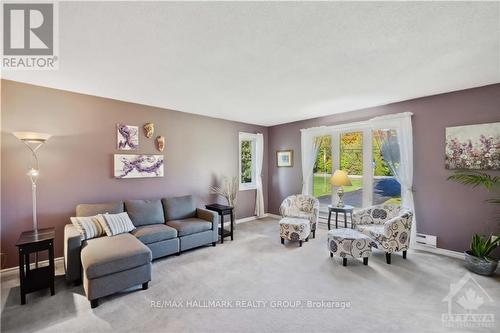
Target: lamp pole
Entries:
(33, 141)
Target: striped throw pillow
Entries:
(89, 226)
(115, 224)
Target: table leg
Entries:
(336, 220)
(351, 220)
(21, 276)
(345, 219)
(329, 218)
(52, 269)
(232, 222)
(222, 228)
(27, 264)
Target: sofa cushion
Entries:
(108, 255)
(95, 209)
(154, 233)
(145, 212)
(89, 226)
(179, 208)
(190, 226)
(115, 224)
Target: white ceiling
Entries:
(271, 63)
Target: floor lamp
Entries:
(33, 141)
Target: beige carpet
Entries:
(256, 270)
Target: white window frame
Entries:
(335, 131)
(253, 138)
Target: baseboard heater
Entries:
(427, 240)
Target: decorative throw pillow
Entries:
(115, 224)
(89, 226)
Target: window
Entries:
(323, 170)
(386, 189)
(247, 160)
(351, 161)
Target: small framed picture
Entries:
(284, 158)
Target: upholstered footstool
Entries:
(349, 243)
(294, 229)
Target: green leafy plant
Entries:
(482, 246)
(475, 179)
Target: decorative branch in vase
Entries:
(228, 190)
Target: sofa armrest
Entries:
(72, 246)
(210, 216)
(399, 229)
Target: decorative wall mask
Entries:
(160, 143)
(149, 130)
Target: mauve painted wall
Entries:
(76, 164)
(449, 210)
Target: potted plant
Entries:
(478, 259)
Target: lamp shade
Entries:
(340, 178)
(32, 136)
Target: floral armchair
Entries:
(388, 225)
(301, 206)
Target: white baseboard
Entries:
(437, 250)
(32, 265)
(253, 218)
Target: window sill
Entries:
(244, 187)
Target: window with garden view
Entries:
(247, 161)
(347, 154)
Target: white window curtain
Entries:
(259, 158)
(309, 150)
(399, 157)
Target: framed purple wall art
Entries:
(473, 147)
(138, 166)
(127, 137)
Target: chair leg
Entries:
(344, 261)
(307, 239)
(282, 241)
(404, 254)
(314, 233)
(388, 258)
(214, 244)
(94, 303)
(145, 285)
(331, 255)
(365, 260)
(300, 243)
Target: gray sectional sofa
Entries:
(107, 265)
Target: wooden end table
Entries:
(223, 210)
(344, 209)
(40, 277)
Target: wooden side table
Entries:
(40, 277)
(334, 209)
(223, 210)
